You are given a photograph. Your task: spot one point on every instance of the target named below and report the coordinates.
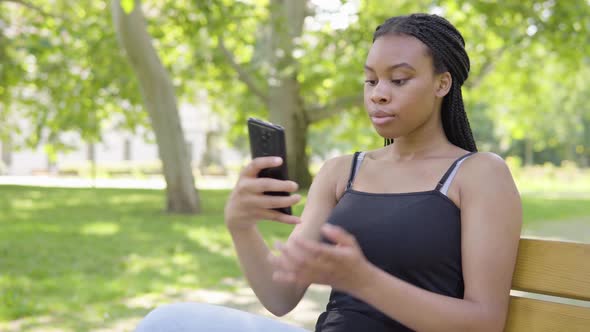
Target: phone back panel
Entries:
(267, 139)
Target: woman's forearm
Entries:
(422, 310)
(252, 251)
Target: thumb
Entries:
(338, 235)
(260, 163)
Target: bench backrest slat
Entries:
(527, 314)
(553, 268)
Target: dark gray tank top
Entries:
(414, 236)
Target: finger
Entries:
(280, 268)
(260, 163)
(320, 260)
(273, 202)
(277, 262)
(320, 251)
(309, 246)
(338, 235)
(302, 269)
(283, 276)
(296, 256)
(266, 214)
(284, 261)
(291, 277)
(261, 185)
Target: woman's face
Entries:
(401, 88)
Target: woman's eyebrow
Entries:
(393, 67)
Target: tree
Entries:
(63, 74)
(277, 76)
(509, 41)
(280, 93)
(160, 101)
(296, 68)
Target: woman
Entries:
(421, 234)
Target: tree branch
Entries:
(243, 75)
(34, 7)
(489, 65)
(319, 112)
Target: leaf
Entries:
(127, 5)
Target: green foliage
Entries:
(67, 74)
(127, 5)
(521, 99)
(62, 69)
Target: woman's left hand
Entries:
(342, 266)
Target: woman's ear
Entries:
(444, 82)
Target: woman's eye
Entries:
(371, 82)
(399, 82)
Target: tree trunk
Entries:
(585, 155)
(6, 152)
(284, 103)
(160, 101)
(6, 160)
(528, 152)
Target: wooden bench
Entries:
(552, 268)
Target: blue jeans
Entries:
(195, 317)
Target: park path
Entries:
(207, 182)
(304, 315)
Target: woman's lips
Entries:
(381, 120)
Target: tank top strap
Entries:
(357, 159)
(445, 182)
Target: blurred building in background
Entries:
(121, 153)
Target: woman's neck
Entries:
(427, 140)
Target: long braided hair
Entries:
(447, 48)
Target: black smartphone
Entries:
(268, 139)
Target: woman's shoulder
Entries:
(376, 154)
(336, 164)
(486, 162)
(484, 169)
(335, 172)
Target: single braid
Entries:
(447, 48)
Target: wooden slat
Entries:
(540, 316)
(553, 268)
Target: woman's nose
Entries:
(380, 94)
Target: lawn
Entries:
(76, 255)
(74, 259)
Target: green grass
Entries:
(541, 209)
(550, 180)
(75, 254)
(78, 255)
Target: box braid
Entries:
(447, 48)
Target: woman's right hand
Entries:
(247, 204)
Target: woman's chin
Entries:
(387, 134)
